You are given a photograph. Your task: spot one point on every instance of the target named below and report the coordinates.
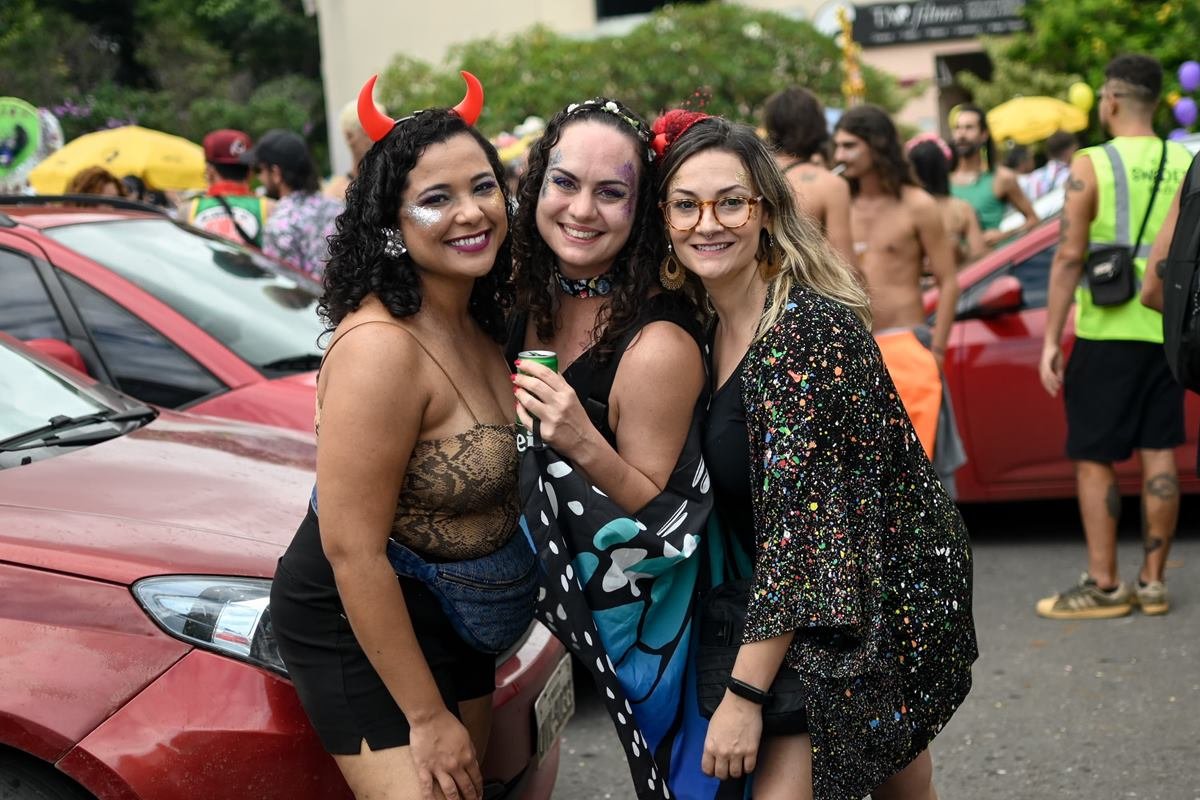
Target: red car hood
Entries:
(180, 495)
(285, 402)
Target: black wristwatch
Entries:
(747, 692)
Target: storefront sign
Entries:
(879, 24)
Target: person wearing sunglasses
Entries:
(859, 574)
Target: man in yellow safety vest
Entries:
(1119, 393)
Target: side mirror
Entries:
(1002, 296)
(60, 350)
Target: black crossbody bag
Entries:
(1111, 275)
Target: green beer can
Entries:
(547, 358)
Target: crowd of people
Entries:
(740, 332)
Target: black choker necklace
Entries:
(598, 286)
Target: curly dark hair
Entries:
(357, 264)
(873, 125)
(636, 263)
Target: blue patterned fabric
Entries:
(620, 592)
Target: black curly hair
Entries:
(637, 262)
(358, 266)
(873, 125)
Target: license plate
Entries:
(554, 707)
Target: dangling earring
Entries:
(670, 271)
(393, 243)
(768, 255)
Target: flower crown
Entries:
(614, 108)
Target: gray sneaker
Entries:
(1085, 600)
(1152, 597)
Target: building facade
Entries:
(917, 41)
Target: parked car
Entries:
(1015, 434)
(136, 551)
(162, 311)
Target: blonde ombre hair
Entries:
(805, 257)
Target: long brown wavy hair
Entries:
(636, 264)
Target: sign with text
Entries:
(880, 24)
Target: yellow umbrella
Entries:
(161, 160)
(1026, 120)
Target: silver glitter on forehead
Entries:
(425, 217)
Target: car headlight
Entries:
(230, 616)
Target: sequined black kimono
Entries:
(853, 531)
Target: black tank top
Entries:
(592, 377)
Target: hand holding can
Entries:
(548, 359)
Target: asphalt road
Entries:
(1096, 710)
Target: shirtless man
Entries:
(989, 190)
(898, 232)
(795, 123)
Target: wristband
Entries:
(747, 692)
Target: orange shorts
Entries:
(915, 372)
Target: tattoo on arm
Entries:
(1063, 228)
(1075, 185)
(1112, 501)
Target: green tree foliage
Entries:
(1070, 41)
(734, 56)
(1013, 78)
(185, 68)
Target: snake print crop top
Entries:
(459, 496)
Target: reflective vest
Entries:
(1125, 168)
(208, 214)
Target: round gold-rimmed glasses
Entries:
(731, 211)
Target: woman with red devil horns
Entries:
(416, 463)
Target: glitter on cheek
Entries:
(628, 174)
(425, 217)
(556, 158)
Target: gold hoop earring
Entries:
(670, 271)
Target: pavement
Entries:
(1095, 710)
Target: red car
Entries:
(1015, 434)
(136, 551)
(161, 311)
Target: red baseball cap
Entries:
(225, 146)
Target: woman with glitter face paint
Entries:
(617, 511)
(860, 581)
(587, 267)
(416, 448)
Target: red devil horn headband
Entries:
(377, 124)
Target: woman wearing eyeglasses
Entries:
(861, 576)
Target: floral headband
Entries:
(615, 109)
(921, 138)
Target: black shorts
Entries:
(344, 697)
(1120, 397)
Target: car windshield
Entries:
(260, 310)
(31, 394)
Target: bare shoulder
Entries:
(918, 200)
(832, 184)
(377, 356)
(661, 347)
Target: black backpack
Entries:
(1181, 286)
